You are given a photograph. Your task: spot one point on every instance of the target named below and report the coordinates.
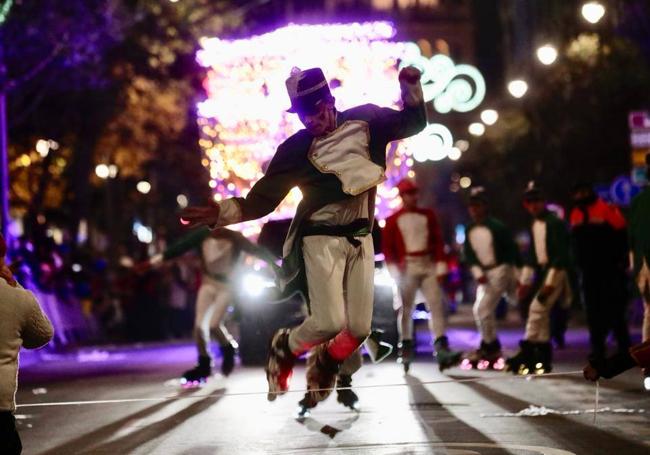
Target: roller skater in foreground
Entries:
(414, 251)
(336, 161)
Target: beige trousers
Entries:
(538, 324)
(420, 273)
(340, 281)
(502, 281)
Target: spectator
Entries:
(22, 323)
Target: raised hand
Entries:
(410, 74)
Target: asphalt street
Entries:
(460, 412)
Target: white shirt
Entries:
(482, 242)
(414, 228)
(539, 240)
(217, 255)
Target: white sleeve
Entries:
(550, 276)
(229, 213)
(526, 276)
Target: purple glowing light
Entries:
(244, 117)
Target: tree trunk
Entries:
(4, 165)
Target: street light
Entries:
(547, 54)
(462, 145)
(465, 182)
(182, 201)
(454, 153)
(43, 147)
(518, 88)
(102, 171)
(143, 186)
(489, 116)
(593, 12)
(476, 129)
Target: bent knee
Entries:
(329, 329)
(360, 331)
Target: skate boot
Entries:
(321, 373)
(522, 363)
(445, 356)
(487, 357)
(344, 393)
(199, 374)
(305, 406)
(405, 354)
(279, 364)
(646, 378)
(542, 358)
(228, 357)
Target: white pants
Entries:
(212, 302)
(643, 281)
(502, 282)
(420, 273)
(538, 324)
(340, 281)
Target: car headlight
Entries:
(254, 284)
(383, 278)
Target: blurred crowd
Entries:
(90, 300)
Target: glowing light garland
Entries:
(244, 117)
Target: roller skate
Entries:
(487, 357)
(446, 357)
(405, 354)
(198, 375)
(228, 357)
(646, 379)
(279, 364)
(344, 393)
(543, 358)
(523, 362)
(322, 371)
(305, 406)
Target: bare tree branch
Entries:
(13, 83)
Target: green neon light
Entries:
(4, 10)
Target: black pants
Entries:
(9, 440)
(559, 323)
(605, 297)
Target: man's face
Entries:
(477, 211)
(322, 121)
(535, 207)
(410, 199)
